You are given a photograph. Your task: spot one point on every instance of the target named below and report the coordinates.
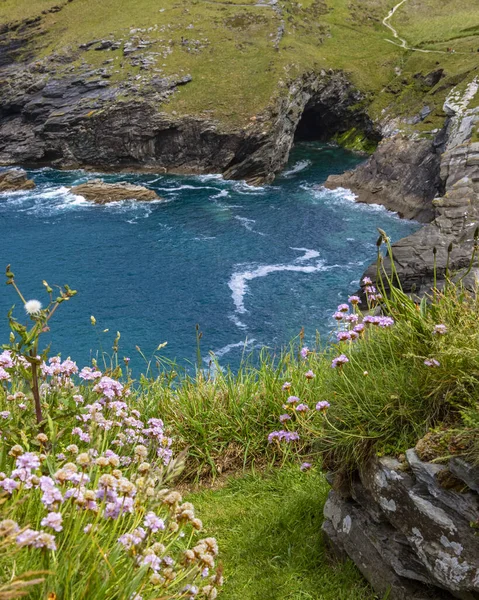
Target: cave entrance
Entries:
(322, 121)
(314, 125)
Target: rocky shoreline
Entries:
(58, 111)
(452, 201)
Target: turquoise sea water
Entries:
(251, 266)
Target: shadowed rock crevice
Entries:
(315, 107)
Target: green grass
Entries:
(382, 401)
(433, 24)
(269, 531)
(224, 420)
(238, 72)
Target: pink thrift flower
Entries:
(323, 405)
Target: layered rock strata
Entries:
(71, 117)
(410, 536)
(432, 181)
(456, 215)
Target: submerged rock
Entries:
(100, 192)
(14, 180)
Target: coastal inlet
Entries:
(250, 266)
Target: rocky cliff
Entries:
(410, 527)
(227, 87)
(452, 199)
(82, 120)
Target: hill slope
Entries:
(226, 71)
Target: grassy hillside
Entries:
(237, 51)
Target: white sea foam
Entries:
(241, 187)
(248, 224)
(210, 176)
(238, 282)
(186, 186)
(160, 178)
(341, 195)
(243, 344)
(297, 168)
(46, 201)
(237, 321)
(220, 194)
(308, 254)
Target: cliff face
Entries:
(82, 120)
(227, 86)
(453, 203)
(403, 175)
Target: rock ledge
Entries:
(410, 537)
(14, 180)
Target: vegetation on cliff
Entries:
(240, 55)
(86, 453)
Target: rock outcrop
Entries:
(13, 180)
(318, 103)
(50, 116)
(402, 175)
(99, 192)
(456, 216)
(410, 536)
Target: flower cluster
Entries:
(287, 436)
(99, 483)
(351, 325)
(57, 368)
(373, 297)
(94, 491)
(9, 362)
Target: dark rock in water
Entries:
(411, 538)
(402, 175)
(100, 192)
(14, 180)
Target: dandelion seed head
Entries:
(33, 307)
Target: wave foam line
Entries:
(297, 168)
(244, 344)
(308, 254)
(238, 282)
(248, 224)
